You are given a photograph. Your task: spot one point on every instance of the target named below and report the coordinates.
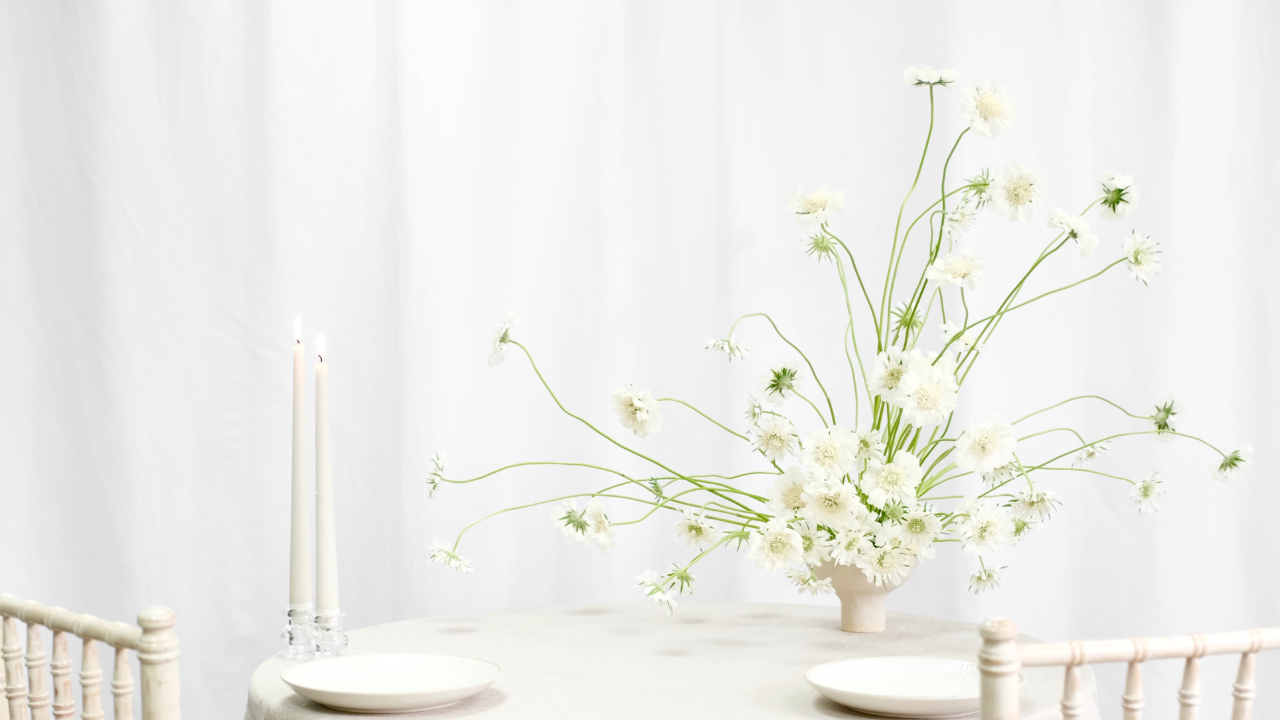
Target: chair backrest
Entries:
(30, 698)
(1001, 657)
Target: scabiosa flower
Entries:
(435, 474)
(928, 76)
(870, 446)
(892, 482)
(850, 542)
(918, 529)
(774, 436)
(679, 579)
(929, 393)
(1076, 229)
(985, 527)
(776, 546)
(1000, 474)
(816, 208)
(988, 109)
(959, 268)
(637, 410)
(695, 531)
(1089, 452)
(806, 581)
(755, 407)
(887, 374)
(598, 527)
(886, 566)
(1163, 418)
(985, 446)
(829, 502)
(727, 346)
(1118, 195)
(1234, 463)
(501, 337)
(978, 192)
(1147, 492)
(814, 543)
(786, 497)
(820, 245)
(1141, 255)
(1034, 505)
(985, 579)
(780, 382)
(962, 343)
(653, 588)
(1016, 192)
(571, 521)
(829, 453)
(907, 317)
(958, 221)
(447, 556)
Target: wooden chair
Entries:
(30, 698)
(1001, 657)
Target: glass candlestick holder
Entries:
(330, 639)
(298, 634)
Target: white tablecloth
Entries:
(737, 661)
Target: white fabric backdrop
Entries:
(179, 179)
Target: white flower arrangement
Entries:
(872, 497)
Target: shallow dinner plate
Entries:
(390, 682)
(904, 687)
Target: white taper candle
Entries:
(326, 533)
(300, 534)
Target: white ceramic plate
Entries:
(904, 687)
(390, 682)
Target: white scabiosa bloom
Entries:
(695, 531)
(776, 546)
(985, 579)
(988, 109)
(501, 337)
(1001, 474)
(1034, 505)
(817, 207)
(814, 543)
(445, 555)
(755, 407)
(780, 382)
(1016, 192)
(893, 482)
(920, 526)
(830, 502)
(870, 446)
(1234, 463)
(963, 268)
(571, 521)
(786, 497)
(926, 75)
(1146, 493)
(807, 581)
(637, 410)
(929, 393)
(958, 221)
(830, 453)
(435, 473)
(986, 527)
(886, 566)
(1088, 453)
(652, 585)
(774, 436)
(887, 373)
(1118, 195)
(728, 346)
(849, 544)
(1164, 418)
(598, 528)
(1076, 229)
(1142, 257)
(985, 446)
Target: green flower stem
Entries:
(884, 295)
(1087, 470)
(938, 478)
(798, 350)
(853, 375)
(1082, 397)
(821, 417)
(853, 263)
(708, 417)
(539, 462)
(670, 499)
(895, 263)
(605, 435)
(853, 335)
(602, 493)
(723, 539)
(1052, 430)
(947, 164)
(941, 497)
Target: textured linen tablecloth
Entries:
(629, 660)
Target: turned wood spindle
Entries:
(1072, 692)
(15, 688)
(91, 682)
(1189, 693)
(1244, 689)
(38, 697)
(64, 701)
(1133, 701)
(122, 686)
(998, 664)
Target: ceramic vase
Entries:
(861, 601)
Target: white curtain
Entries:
(179, 179)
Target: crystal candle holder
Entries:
(298, 634)
(330, 638)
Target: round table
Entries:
(629, 660)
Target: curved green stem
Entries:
(798, 350)
(884, 295)
(1081, 397)
(708, 417)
